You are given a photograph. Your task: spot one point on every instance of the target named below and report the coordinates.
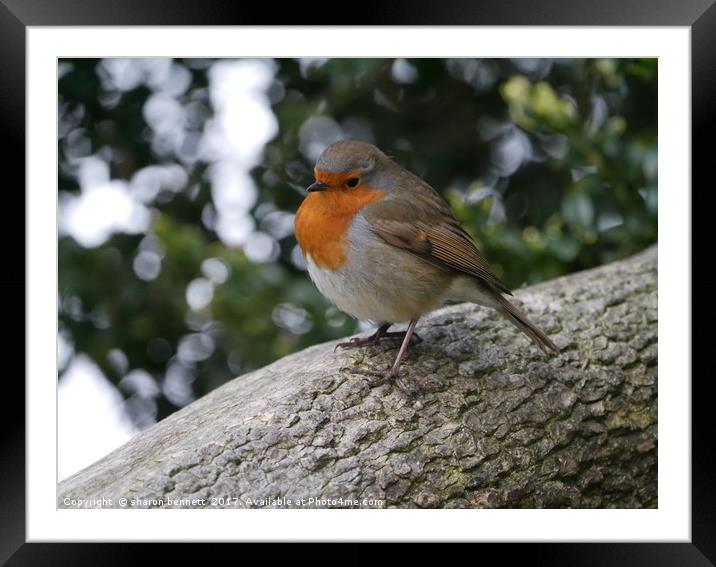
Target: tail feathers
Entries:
(469, 289)
(520, 320)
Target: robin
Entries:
(384, 246)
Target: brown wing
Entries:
(431, 232)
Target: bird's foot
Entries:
(392, 372)
(375, 338)
(357, 342)
(401, 335)
(386, 376)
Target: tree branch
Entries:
(496, 425)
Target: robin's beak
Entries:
(317, 186)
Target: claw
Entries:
(375, 338)
(385, 376)
(356, 342)
(392, 372)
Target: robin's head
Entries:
(347, 165)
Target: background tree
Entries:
(178, 182)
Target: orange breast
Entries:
(323, 219)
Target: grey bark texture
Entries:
(496, 423)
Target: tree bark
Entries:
(496, 423)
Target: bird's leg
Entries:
(374, 339)
(392, 373)
(401, 335)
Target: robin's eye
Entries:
(353, 182)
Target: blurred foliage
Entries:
(550, 164)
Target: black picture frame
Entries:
(699, 15)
